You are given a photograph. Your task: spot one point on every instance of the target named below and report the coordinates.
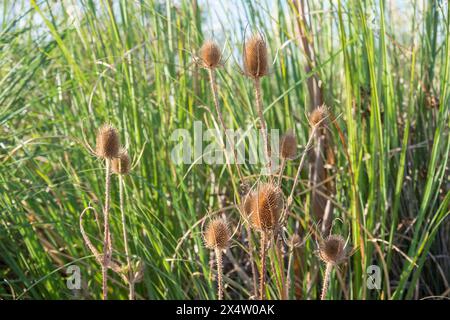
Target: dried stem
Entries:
(326, 279)
(88, 242)
(125, 240)
(280, 174)
(212, 82)
(288, 272)
(107, 237)
(257, 84)
(219, 274)
(262, 276)
(252, 260)
(299, 169)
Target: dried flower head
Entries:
(266, 207)
(210, 54)
(318, 115)
(121, 164)
(332, 249)
(217, 235)
(255, 57)
(107, 142)
(246, 204)
(288, 146)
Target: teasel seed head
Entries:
(217, 235)
(266, 207)
(318, 115)
(255, 57)
(107, 142)
(332, 249)
(288, 146)
(246, 204)
(210, 54)
(121, 164)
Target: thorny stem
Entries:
(326, 279)
(125, 240)
(252, 260)
(219, 274)
(107, 238)
(262, 276)
(212, 82)
(257, 84)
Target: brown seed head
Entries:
(266, 207)
(332, 250)
(217, 235)
(246, 204)
(121, 164)
(210, 54)
(288, 146)
(107, 142)
(318, 115)
(255, 57)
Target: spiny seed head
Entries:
(107, 142)
(266, 207)
(246, 204)
(121, 164)
(332, 249)
(210, 54)
(288, 146)
(318, 115)
(255, 57)
(217, 235)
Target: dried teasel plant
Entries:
(133, 274)
(217, 238)
(210, 55)
(245, 210)
(121, 165)
(332, 251)
(299, 169)
(256, 63)
(107, 147)
(318, 115)
(107, 143)
(256, 66)
(210, 58)
(264, 215)
(293, 242)
(288, 151)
